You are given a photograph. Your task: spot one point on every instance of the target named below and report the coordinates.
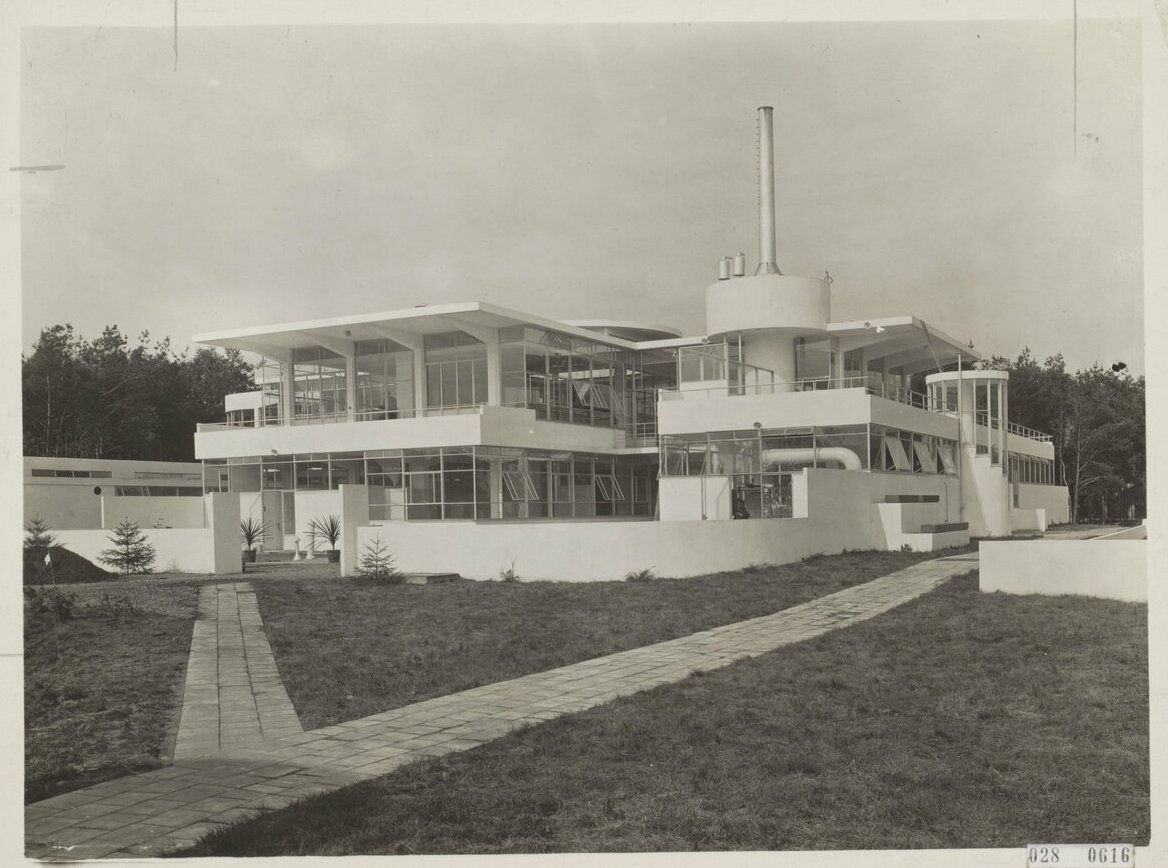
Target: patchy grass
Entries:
(347, 648)
(102, 689)
(958, 720)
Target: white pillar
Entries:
(421, 399)
(351, 386)
(494, 371)
(288, 388)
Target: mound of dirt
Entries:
(67, 568)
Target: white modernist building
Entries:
(469, 437)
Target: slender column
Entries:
(421, 399)
(351, 386)
(288, 388)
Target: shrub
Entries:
(251, 532)
(377, 563)
(646, 575)
(509, 574)
(329, 527)
(37, 534)
(131, 552)
(49, 602)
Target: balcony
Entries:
(340, 418)
(431, 427)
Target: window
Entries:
(945, 451)
(520, 485)
(456, 370)
(924, 455)
(896, 451)
(609, 487)
(319, 377)
(385, 379)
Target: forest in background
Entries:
(103, 398)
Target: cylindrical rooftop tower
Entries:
(768, 310)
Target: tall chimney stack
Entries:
(766, 192)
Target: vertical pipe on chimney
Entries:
(766, 192)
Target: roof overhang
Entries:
(905, 341)
(415, 321)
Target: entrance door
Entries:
(274, 518)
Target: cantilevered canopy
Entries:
(406, 326)
(903, 342)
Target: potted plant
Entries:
(251, 531)
(328, 527)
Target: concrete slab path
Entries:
(234, 695)
(240, 770)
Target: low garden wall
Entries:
(189, 549)
(211, 549)
(1115, 569)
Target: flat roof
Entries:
(419, 320)
(907, 337)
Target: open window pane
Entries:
(896, 450)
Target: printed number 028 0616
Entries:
(1079, 855)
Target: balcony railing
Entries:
(888, 391)
(1029, 433)
(359, 416)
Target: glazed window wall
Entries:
(701, 366)
(307, 472)
(385, 380)
(456, 370)
(897, 451)
(814, 360)
(768, 450)
(760, 464)
(269, 376)
(501, 483)
(1030, 470)
(319, 376)
(564, 378)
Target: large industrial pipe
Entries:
(838, 454)
(767, 258)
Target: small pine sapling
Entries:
(37, 536)
(131, 552)
(377, 563)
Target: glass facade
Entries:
(480, 482)
(1030, 470)
(319, 377)
(385, 380)
(584, 382)
(456, 370)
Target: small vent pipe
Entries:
(724, 268)
(767, 263)
(740, 265)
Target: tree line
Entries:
(103, 398)
(1096, 420)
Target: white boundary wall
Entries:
(152, 512)
(212, 549)
(1115, 569)
(190, 549)
(841, 514)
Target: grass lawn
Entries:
(347, 648)
(102, 689)
(961, 719)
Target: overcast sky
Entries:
(594, 171)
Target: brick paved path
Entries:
(151, 813)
